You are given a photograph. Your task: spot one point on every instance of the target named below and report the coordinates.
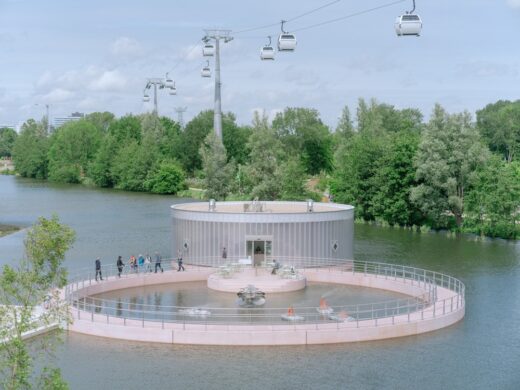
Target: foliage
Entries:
(131, 166)
(449, 156)
(217, 171)
(235, 140)
(192, 138)
(493, 205)
(7, 139)
(394, 180)
(168, 178)
(101, 120)
(24, 287)
(302, 133)
(292, 177)
(499, 124)
(262, 181)
(73, 146)
(30, 150)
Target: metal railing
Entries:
(413, 308)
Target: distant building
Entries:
(60, 121)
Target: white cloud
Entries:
(126, 47)
(110, 80)
(57, 95)
(514, 3)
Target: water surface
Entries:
(480, 352)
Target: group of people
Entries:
(139, 264)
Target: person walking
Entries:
(179, 263)
(140, 261)
(98, 269)
(148, 263)
(224, 254)
(158, 260)
(119, 265)
(133, 263)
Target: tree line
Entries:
(450, 172)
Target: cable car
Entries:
(146, 98)
(173, 90)
(286, 41)
(208, 50)
(169, 83)
(267, 52)
(206, 71)
(408, 24)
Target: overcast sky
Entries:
(95, 56)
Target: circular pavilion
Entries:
(255, 233)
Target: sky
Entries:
(95, 55)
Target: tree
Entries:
(167, 178)
(357, 163)
(125, 129)
(345, 129)
(303, 134)
(30, 150)
(493, 205)
(449, 156)
(101, 120)
(192, 138)
(217, 171)
(499, 124)
(292, 178)
(73, 147)
(262, 170)
(7, 140)
(235, 140)
(131, 166)
(24, 287)
(394, 180)
(100, 169)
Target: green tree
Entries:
(449, 157)
(7, 140)
(125, 129)
(303, 133)
(131, 166)
(493, 205)
(354, 179)
(394, 180)
(217, 171)
(192, 138)
(167, 178)
(345, 128)
(73, 147)
(30, 150)
(499, 124)
(235, 140)
(263, 181)
(22, 289)
(101, 120)
(100, 170)
(292, 178)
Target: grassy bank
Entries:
(7, 229)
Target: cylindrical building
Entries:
(297, 233)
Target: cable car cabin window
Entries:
(410, 18)
(268, 49)
(287, 36)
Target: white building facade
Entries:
(294, 233)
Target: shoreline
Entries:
(5, 229)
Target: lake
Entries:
(480, 352)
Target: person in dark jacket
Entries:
(179, 263)
(158, 260)
(120, 265)
(98, 269)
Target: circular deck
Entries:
(436, 301)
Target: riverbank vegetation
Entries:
(7, 229)
(31, 284)
(450, 172)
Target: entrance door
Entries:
(258, 251)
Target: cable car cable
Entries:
(288, 20)
(366, 11)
